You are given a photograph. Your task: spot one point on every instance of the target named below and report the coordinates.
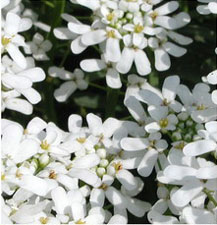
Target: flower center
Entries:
(18, 174)
(110, 16)
(118, 166)
(201, 107)
(154, 15)
(2, 176)
(52, 175)
(180, 146)
(5, 41)
(80, 222)
(81, 140)
(103, 187)
(138, 28)
(164, 123)
(111, 34)
(43, 220)
(44, 145)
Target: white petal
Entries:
(34, 74)
(77, 46)
(167, 8)
(93, 37)
(34, 184)
(198, 216)
(158, 112)
(26, 150)
(64, 91)
(32, 95)
(127, 179)
(147, 163)
(180, 172)
(25, 24)
(74, 123)
(19, 105)
(113, 79)
(207, 173)
(179, 38)
(162, 60)
(78, 211)
(184, 195)
(203, 9)
(63, 33)
(85, 175)
(134, 144)
(60, 200)
(94, 124)
(118, 219)
(87, 161)
(92, 65)
(166, 22)
(16, 82)
(142, 63)
(78, 28)
(97, 197)
(126, 61)
(150, 98)
(115, 197)
(93, 5)
(169, 87)
(174, 49)
(113, 52)
(213, 7)
(12, 23)
(199, 147)
(16, 55)
(110, 126)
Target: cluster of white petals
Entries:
(125, 31)
(19, 72)
(207, 7)
(96, 171)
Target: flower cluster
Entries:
(19, 72)
(126, 31)
(96, 171)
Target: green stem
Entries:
(97, 86)
(111, 102)
(65, 57)
(154, 78)
(207, 192)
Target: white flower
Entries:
(11, 40)
(73, 82)
(166, 98)
(203, 146)
(38, 47)
(152, 146)
(209, 7)
(113, 79)
(198, 102)
(194, 178)
(193, 215)
(212, 79)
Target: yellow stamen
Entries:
(80, 222)
(52, 175)
(201, 107)
(81, 140)
(180, 146)
(3, 176)
(154, 15)
(138, 28)
(103, 187)
(110, 16)
(43, 220)
(44, 145)
(164, 123)
(111, 34)
(18, 174)
(5, 41)
(118, 166)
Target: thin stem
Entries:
(207, 192)
(65, 57)
(111, 102)
(97, 86)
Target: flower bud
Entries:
(44, 160)
(177, 136)
(183, 116)
(101, 152)
(100, 171)
(104, 163)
